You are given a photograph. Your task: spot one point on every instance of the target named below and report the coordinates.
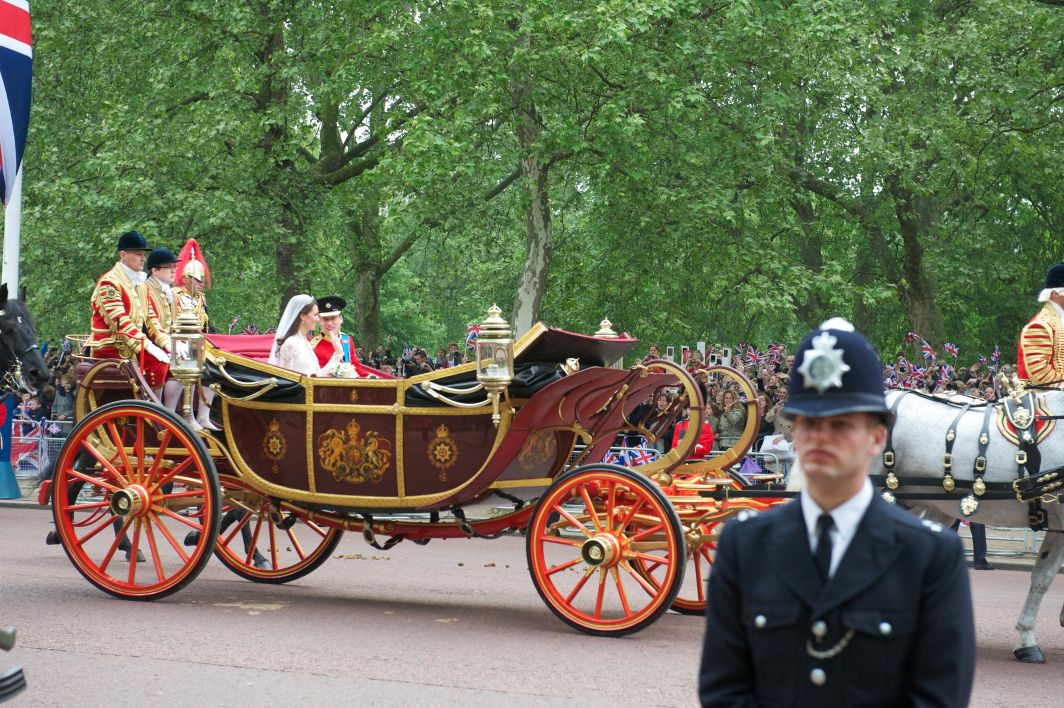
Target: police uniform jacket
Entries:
(1040, 355)
(895, 619)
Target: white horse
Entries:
(919, 445)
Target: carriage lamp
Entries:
(495, 358)
(187, 353)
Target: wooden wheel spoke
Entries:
(643, 582)
(561, 541)
(178, 469)
(170, 538)
(254, 541)
(240, 524)
(104, 523)
(611, 498)
(138, 448)
(120, 447)
(620, 591)
(646, 532)
(571, 519)
(600, 595)
(627, 519)
(134, 547)
(563, 566)
(156, 558)
(579, 586)
(700, 584)
(160, 454)
(272, 530)
(590, 508)
(106, 467)
(178, 517)
(88, 505)
(296, 544)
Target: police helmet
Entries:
(835, 371)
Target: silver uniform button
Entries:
(760, 621)
(818, 677)
(820, 628)
(885, 628)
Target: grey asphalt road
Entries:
(453, 623)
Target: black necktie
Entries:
(824, 524)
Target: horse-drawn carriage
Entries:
(300, 460)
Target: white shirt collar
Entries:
(847, 516)
(1058, 308)
(135, 276)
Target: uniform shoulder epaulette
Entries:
(934, 526)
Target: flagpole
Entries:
(12, 236)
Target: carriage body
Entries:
(300, 460)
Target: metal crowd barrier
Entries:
(34, 444)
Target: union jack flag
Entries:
(753, 356)
(251, 329)
(945, 373)
(928, 352)
(471, 334)
(640, 456)
(233, 323)
(776, 352)
(918, 370)
(982, 359)
(613, 458)
(996, 356)
(952, 349)
(912, 337)
(16, 72)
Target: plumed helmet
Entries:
(835, 371)
(191, 263)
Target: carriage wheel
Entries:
(701, 550)
(130, 482)
(257, 542)
(589, 537)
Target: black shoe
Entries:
(140, 556)
(982, 565)
(260, 562)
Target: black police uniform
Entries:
(892, 627)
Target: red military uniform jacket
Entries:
(120, 314)
(323, 349)
(1040, 354)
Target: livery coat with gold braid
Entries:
(1040, 355)
(120, 314)
(160, 314)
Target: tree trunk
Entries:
(916, 218)
(534, 174)
(366, 261)
(810, 251)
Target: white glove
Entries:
(156, 351)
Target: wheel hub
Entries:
(601, 550)
(131, 501)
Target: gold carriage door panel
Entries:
(271, 443)
(354, 454)
(543, 454)
(440, 452)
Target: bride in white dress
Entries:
(293, 350)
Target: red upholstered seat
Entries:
(257, 346)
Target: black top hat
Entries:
(835, 371)
(331, 305)
(132, 241)
(160, 257)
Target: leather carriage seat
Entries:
(257, 347)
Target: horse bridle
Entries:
(11, 377)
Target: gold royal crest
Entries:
(442, 451)
(273, 444)
(353, 457)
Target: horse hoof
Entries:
(1029, 655)
(52, 539)
(192, 538)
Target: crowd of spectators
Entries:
(54, 402)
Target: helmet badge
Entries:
(823, 365)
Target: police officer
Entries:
(837, 598)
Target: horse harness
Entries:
(1031, 486)
(11, 378)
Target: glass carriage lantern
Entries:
(188, 351)
(495, 358)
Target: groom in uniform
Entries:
(1040, 356)
(837, 598)
(331, 312)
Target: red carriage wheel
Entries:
(592, 533)
(129, 484)
(256, 541)
(701, 550)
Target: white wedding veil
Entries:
(291, 312)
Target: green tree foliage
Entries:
(728, 171)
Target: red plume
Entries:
(191, 251)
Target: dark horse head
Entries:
(18, 342)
